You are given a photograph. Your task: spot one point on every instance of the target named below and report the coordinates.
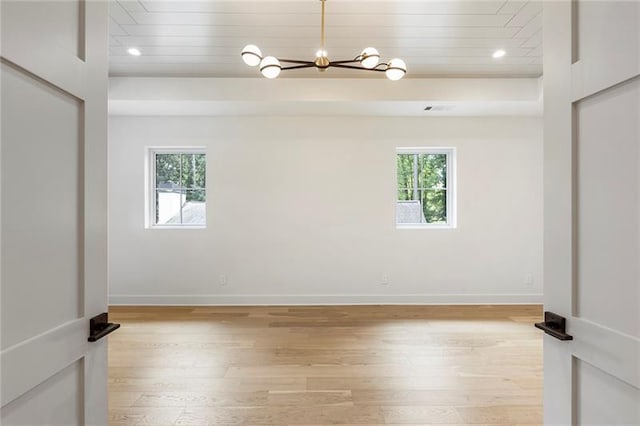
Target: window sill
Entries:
(426, 226)
(177, 227)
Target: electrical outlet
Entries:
(528, 280)
(223, 279)
(385, 280)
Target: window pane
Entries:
(168, 205)
(194, 210)
(422, 187)
(404, 166)
(168, 171)
(405, 194)
(432, 171)
(193, 170)
(195, 195)
(201, 170)
(434, 206)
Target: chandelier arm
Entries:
(296, 61)
(346, 61)
(351, 67)
(295, 67)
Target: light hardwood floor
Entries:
(365, 365)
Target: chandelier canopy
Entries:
(368, 60)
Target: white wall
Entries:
(301, 210)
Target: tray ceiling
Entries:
(435, 38)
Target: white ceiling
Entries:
(449, 38)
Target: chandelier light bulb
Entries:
(270, 67)
(321, 54)
(251, 55)
(369, 57)
(396, 69)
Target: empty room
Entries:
(319, 212)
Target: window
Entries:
(425, 188)
(178, 188)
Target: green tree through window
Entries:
(422, 188)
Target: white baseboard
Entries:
(325, 299)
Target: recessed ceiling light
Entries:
(499, 53)
(133, 51)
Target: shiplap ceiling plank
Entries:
(534, 41)
(532, 27)
(352, 7)
(193, 46)
(351, 36)
(415, 55)
(526, 14)
(537, 52)
(119, 14)
(116, 29)
(408, 50)
(132, 6)
(265, 32)
(311, 20)
(512, 7)
(435, 38)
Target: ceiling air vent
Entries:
(438, 108)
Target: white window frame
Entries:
(150, 185)
(451, 189)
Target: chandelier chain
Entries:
(322, 28)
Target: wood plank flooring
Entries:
(358, 365)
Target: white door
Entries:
(592, 211)
(53, 211)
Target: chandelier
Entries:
(368, 60)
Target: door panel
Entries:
(41, 44)
(602, 398)
(59, 399)
(53, 211)
(592, 210)
(43, 210)
(24, 366)
(607, 214)
(606, 44)
(57, 23)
